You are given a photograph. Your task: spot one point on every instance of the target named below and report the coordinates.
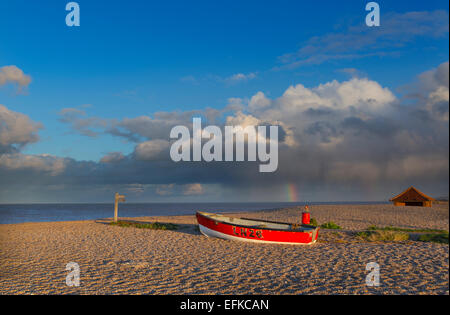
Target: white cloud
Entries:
(258, 101)
(356, 93)
(193, 189)
(16, 128)
(152, 149)
(241, 77)
(40, 163)
(12, 74)
(113, 157)
(435, 86)
(242, 120)
(301, 105)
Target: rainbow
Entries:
(292, 192)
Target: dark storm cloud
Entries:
(382, 127)
(325, 129)
(317, 112)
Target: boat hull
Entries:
(224, 230)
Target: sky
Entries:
(87, 111)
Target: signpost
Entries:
(117, 198)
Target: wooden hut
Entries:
(413, 197)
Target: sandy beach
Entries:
(118, 260)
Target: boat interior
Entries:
(257, 223)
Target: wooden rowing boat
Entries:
(253, 230)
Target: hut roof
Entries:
(412, 194)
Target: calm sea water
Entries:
(20, 213)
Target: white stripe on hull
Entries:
(211, 233)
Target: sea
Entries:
(21, 213)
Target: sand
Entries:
(117, 260)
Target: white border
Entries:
(211, 233)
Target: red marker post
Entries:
(306, 216)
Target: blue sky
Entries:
(135, 58)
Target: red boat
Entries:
(251, 230)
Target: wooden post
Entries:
(116, 208)
(117, 198)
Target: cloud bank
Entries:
(350, 140)
(14, 75)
